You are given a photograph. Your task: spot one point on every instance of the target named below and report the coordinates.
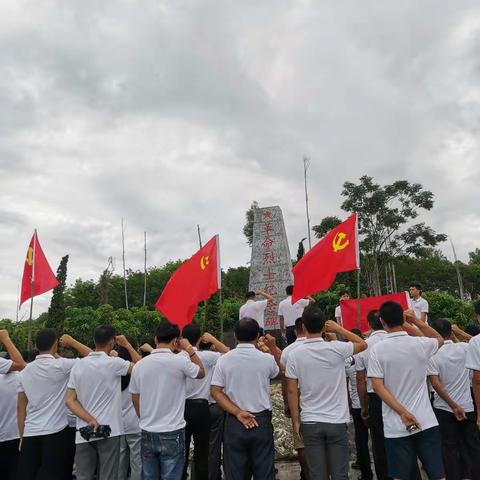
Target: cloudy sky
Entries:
(173, 113)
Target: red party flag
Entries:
(336, 252)
(349, 309)
(194, 281)
(38, 277)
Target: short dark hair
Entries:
(392, 314)
(45, 339)
(343, 292)
(374, 320)
(357, 331)
(250, 294)
(289, 290)
(313, 319)
(442, 326)
(476, 307)
(246, 330)
(473, 329)
(192, 333)
(166, 332)
(103, 334)
(298, 324)
(416, 285)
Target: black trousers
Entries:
(197, 416)
(249, 450)
(9, 459)
(290, 334)
(217, 423)
(44, 457)
(375, 423)
(361, 444)
(70, 458)
(459, 439)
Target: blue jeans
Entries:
(163, 455)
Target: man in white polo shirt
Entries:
(417, 303)
(158, 387)
(453, 404)
(398, 368)
(288, 313)
(324, 404)
(94, 395)
(297, 440)
(197, 410)
(473, 363)
(15, 362)
(241, 386)
(370, 402)
(42, 414)
(344, 295)
(255, 309)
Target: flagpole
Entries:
(199, 236)
(306, 164)
(220, 287)
(145, 270)
(32, 291)
(358, 273)
(123, 260)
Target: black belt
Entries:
(196, 400)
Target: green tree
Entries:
(301, 249)
(327, 224)
(56, 311)
(235, 282)
(249, 218)
(474, 257)
(212, 316)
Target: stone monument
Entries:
(271, 264)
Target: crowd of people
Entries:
(119, 411)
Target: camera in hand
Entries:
(103, 431)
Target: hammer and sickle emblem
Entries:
(29, 258)
(204, 261)
(339, 243)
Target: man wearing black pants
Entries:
(197, 411)
(217, 424)
(241, 386)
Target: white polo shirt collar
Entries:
(97, 354)
(313, 340)
(397, 334)
(161, 350)
(446, 342)
(376, 332)
(245, 345)
(44, 355)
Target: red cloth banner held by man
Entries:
(36, 270)
(194, 281)
(336, 252)
(349, 309)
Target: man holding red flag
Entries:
(38, 277)
(196, 280)
(336, 252)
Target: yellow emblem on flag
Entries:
(29, 258)
(204, 261)
(338, 242)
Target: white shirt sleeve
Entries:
(344, 349)
(424, 307)
(218, 378)
(133, 385)
(274, 370)
(20, 388)
(338, 312)
(261, 305)
(429, 345)
(120, 366)
(72, 380)
(5, 365)
(360, 361)
(473, 355)
(291, 371)
(68, 364)
(280, 308)
(303, 302)
(375, 369)
(432, 368)
(189, 368)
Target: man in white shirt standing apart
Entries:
(158, 387)
(288, 313)
(15, 362)
(255, 309)
(417, 303)
(241, 386)
(322, 422)
(94, 395)
(398, 368)
(344, 295)
(41, 410)
(453, 404)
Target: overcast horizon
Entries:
(170, 114)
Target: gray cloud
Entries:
(171, 114)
